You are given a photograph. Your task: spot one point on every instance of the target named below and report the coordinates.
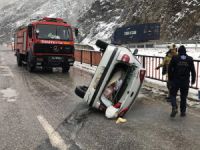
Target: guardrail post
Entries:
(197, 75)
(81, 56)
(143, 61)
(91, 58)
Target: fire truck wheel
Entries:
(30, 68)
(65, 69)
(19, 59)
(81, 90)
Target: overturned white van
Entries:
(116, 82)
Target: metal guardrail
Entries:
(151, 62)
(148, 62)
(88, 57)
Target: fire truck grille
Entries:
(57, 49)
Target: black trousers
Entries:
(183, 86)
(169, 88)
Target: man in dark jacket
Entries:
(179, 71)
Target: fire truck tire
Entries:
(65, 69)
(81, 90)
(30, 65)
(30, 68)
(19, 59)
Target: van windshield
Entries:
(53, 32)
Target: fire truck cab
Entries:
(47, 42)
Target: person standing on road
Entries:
(179, 71)
(172, 52)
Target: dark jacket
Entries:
(180, 67)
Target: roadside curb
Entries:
(85, 67)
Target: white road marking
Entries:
(6, 71)
(9, 94)
(11, 100)
(54, 137)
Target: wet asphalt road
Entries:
(38, 109)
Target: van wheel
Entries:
(81, 90)
(19, 59)
(65, 68)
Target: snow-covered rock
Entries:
(18, 12)
(180, 19)
(97, 19)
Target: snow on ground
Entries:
(191, 51)
(5, 47)
(159, 50)
(85, 67)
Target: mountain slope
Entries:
(21, 11)
(180, 19)
(97, 19)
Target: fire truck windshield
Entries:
(53, 32)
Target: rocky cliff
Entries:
(97, 19)
(20, 12)
(180, 19)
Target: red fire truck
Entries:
(47, 42)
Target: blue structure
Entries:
(136, 33)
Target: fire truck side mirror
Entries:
(30, 31)
(76, 31)
(37, 32)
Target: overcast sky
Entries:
(2, 2)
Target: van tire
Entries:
(102, 45)
(81, 90)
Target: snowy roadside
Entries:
(149, 84)
(160, 87)
(4, 47)
(85, 67)
(161, 52)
